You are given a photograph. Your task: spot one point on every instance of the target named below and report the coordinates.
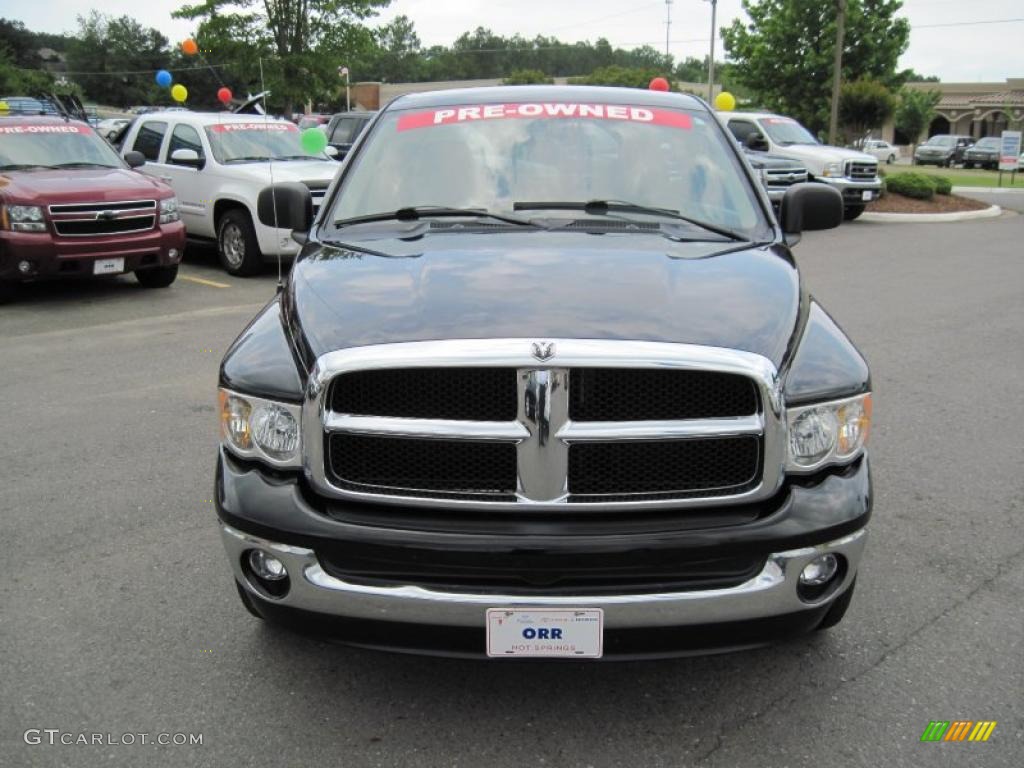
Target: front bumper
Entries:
(930, 159)
(50, 256)
(852, 190)
(275, 513)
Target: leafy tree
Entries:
(624, 77)
(20, 44)
(785, 54)
(912, 76)
(116, 49)
(863, 105)
(305, 36)
(915, 112)
(528, 77)
(18, 81)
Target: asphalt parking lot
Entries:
(118, 614)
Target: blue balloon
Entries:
(163, 78)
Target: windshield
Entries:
(989, 143)
(491, 157)
(347, 129)
(257, 142)
(783, 130)
(54, 146)
(941, 141)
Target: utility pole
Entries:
(711, 58)
(837, 70)
(668, 22)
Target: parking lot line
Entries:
(203, 281)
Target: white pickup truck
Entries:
(217, 165)
(853, 173)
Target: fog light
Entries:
(24, 267)
(172, 254)
(819, 571)
(267, 566)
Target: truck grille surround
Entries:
(562, 424)
(101, 219)
(861, 171)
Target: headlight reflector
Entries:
(832, 170)
(254, 427)
(168, 210)
(828, 432)
(25, 218)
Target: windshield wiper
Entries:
(600, 207)
(82, 164)
(416, 212)
(300, 157)
(24, 166)
(247, 159)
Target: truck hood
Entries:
(814, 156)
(87, 185)
(543, 285)
(291, 170)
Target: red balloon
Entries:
(658, 84)
(224, 95)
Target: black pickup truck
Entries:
(545, 382)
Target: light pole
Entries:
(343, 72)
(668, 22)
(711, 57)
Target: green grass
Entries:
(960, 176)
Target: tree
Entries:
(528, 77)
(305, 36)
(785, 54)
(18, 81)
(863, 105)
(624, 77)
(915, 113)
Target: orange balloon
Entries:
(189, 47)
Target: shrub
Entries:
(943, 186)
(528, 77)
(915, 185)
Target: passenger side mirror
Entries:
(756, 142)
(135, 159)
(187, 157)
(331, 151)
(288, 205)
(809, 206)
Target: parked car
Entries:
(26, 105)
(70, 207)
(499, 411)
(984, 154)
(110, 127)
(882, 151)
(313, 121)
(344, 128)
(217, 164)
(854, 174)
(943, 150)
(777, 174)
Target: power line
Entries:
(965, 23)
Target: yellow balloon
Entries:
(179, 92)
(725, 102)
(4, 107)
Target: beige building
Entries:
(970, 109)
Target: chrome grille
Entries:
(103, 218)
(563, 424)
(784, 178)
(861, 171)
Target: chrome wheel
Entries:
(232, 244)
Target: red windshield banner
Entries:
(44, 129)
(453, 115)
(277, 125)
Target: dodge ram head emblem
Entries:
(543, 350)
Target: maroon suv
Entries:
(70, 207)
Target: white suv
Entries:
(217, 164)
(853, 173)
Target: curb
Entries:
(988, 190)
(930, 218)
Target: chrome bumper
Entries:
(773, 592)
(843, 184)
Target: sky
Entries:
(962, 53)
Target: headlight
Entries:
(832, 170)
(24, 218)
(827, 433)
(168, 210)
(253, 427)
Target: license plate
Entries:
(545, 632)
(866, 196)
(108, 266)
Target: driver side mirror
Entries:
(288, 205)
(187, 157)
(809, 206)
(756, 142)
(135, 159)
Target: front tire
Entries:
(6, 292)
(890, 159)
(851, 212)
(157, 277)
(247, 601)
(237, 246)
(968, 164)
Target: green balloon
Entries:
(313, 141)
